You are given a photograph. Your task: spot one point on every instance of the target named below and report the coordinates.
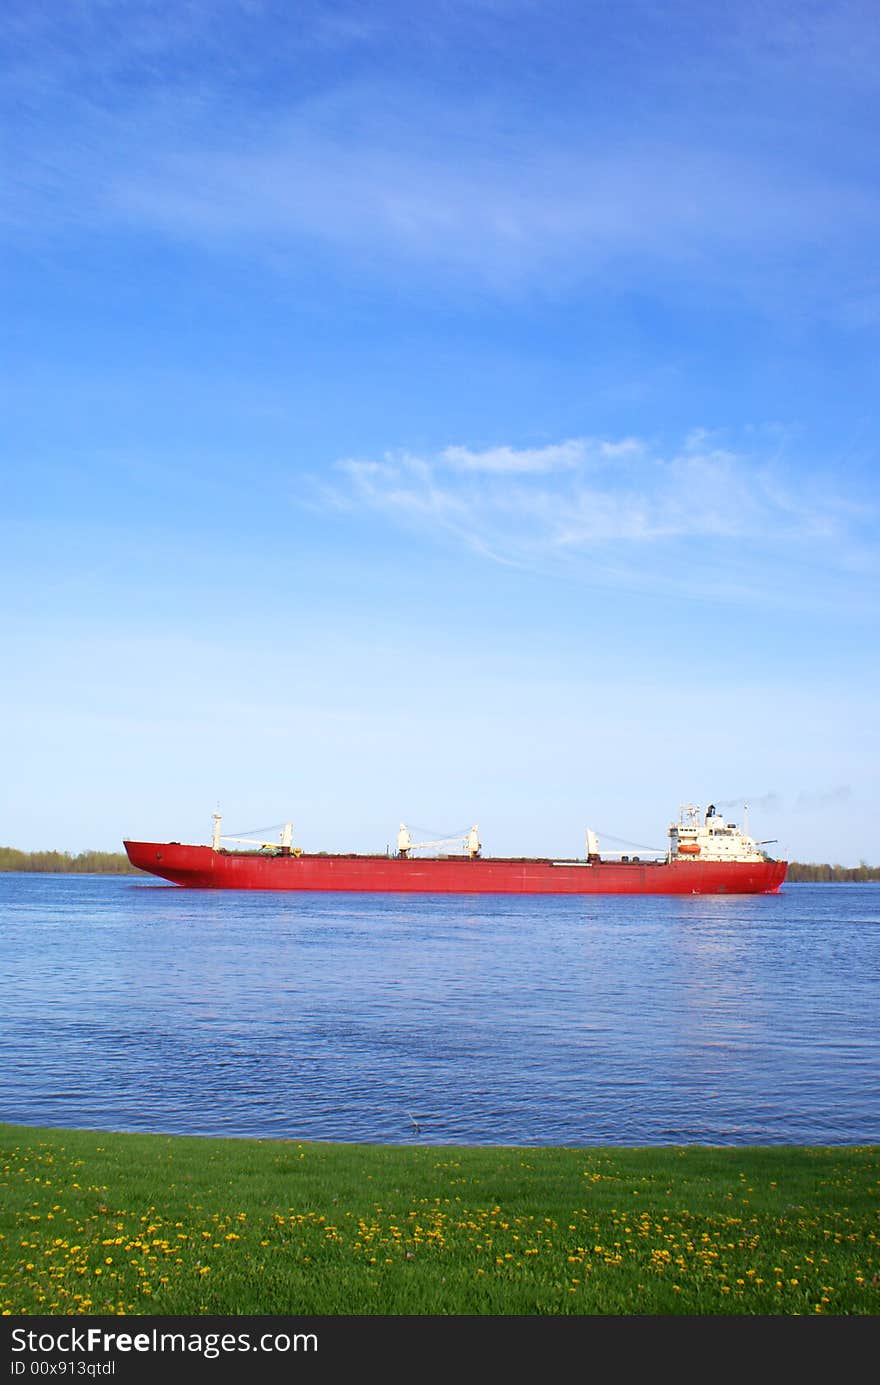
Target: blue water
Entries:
(131, 1005)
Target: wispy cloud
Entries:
(576, 453)
(216, 142)
(507, 209)
(622, 509)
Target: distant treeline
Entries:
(797, 871)
(62, 863)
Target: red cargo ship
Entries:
(706, 855)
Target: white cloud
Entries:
(625, 511)
(564, 456)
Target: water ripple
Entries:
(738, 1020)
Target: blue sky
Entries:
(454, 413)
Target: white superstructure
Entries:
(708, 837)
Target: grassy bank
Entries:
(105, 1223)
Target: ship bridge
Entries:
(708, 837)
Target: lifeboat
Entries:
(688, 849)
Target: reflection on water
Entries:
(132, 1005)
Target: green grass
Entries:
(108, 1223)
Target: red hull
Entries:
(201, 867)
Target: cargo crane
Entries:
(469, 840)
